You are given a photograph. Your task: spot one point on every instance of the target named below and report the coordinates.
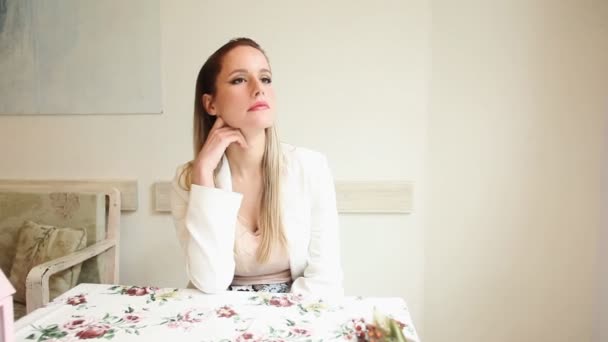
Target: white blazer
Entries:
(205, 220)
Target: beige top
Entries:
(248, 270)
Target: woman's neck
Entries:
(245, 162)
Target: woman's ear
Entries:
(208, 104)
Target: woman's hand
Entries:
(207, 160)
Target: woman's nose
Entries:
(258, 88)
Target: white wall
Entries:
(516, 130)
(352, 83)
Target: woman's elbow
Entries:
(210, 282)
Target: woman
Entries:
(252, 214)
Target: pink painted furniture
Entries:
(6, 309)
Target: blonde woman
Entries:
(251, 213)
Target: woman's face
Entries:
(244, 95)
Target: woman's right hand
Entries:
(207, 160)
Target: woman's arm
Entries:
(205, 221)
(323, 274)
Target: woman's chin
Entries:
(261, 123)
(257, 127)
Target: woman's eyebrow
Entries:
(245, 71)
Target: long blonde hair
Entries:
(271, 219)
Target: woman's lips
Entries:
(258, 106)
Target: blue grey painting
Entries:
(80, 57)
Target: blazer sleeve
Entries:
(323, 274)
(205, 221)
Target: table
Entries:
(131, 313)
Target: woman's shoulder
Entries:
(303, 163)
(181, 175)
(302, 155)
(181, 167)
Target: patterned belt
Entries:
(273, 288)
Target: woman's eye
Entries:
(237, 80)
(266, 80)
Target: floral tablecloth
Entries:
(131, 313)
